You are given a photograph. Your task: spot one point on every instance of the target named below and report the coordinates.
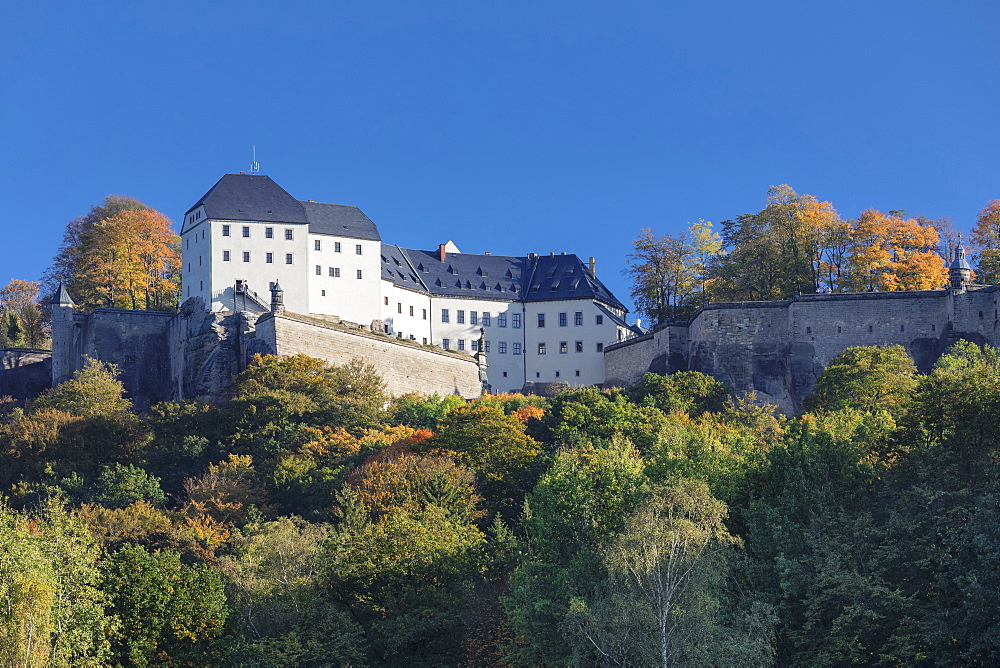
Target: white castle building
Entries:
(541, 319)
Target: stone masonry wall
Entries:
(24, 373)
(779, 349)
(406, 367)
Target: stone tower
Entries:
(65, 358)
(959, 272)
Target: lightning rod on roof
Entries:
(254, 165)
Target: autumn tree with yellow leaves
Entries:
(986, 238)
(889, 252)
(122, 254)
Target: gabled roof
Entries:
(340, 220)
(494, 276)
(566, 277)
(251, 197)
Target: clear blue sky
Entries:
(506, 126)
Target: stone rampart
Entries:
(24, 372)
(405, 366)
(135, 341)
(779, 349)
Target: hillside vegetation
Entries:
(312, 520)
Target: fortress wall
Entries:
(828, 324)
(626, 362)
(136, 341)
(745, 345)
(975, 315)
(24, 373)
(405, 367)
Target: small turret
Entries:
(959, 272)
(61, 297)
(277, 299)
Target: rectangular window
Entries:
(288, 233)
(246, 231)
(425, 314)
(579, 346)
(425, 340)
(475, 345)
(460, 316)
(319, 270)
(269, 232)
(357, 249)
(486, 318)
(563, 348)
(359, 274)
(473, 318)
(599, 319)
(446, 344)
(515, 320)
(411, 311)
(445, 316)
(502, 347)
(541, 320)
(269, 258)
(335, 272)
(317, 244)
(225, 230)
(336, 246)
(501, 319)
(517, 348)
(578, 318)
(541, 348)
(225, 256)
(399, 307)
(288, 258)
(487, 345)
(600, 347)
(246, 256)
(562, 320)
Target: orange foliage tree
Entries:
(129, 260)
(892, 253)
(986, 239)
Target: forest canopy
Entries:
(311, 520)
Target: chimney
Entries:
(442, 253)
(532, 256)
(552, 254)
(593, 268)
(488, 253)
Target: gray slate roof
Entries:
(340, 220)
(251, 197)
(493, 276)
(256, 197)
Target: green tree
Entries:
(168, 610)
(688, 392)
(665, 573)
(664, 275)
(120, 485)
(492, 444)
(93, 391)
(869, 378)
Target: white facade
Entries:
(247, 233)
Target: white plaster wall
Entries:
(207, 267)
(196, 258)
(346, 296)
(406, 313)
(575, 368)
(455, 331)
